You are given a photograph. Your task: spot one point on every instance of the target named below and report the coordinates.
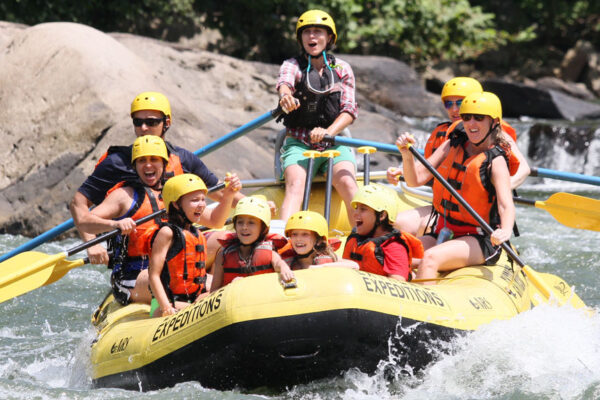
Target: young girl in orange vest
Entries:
(177, 271)
(478, 163)
(374, 244)
(251, 250)
(309, 246)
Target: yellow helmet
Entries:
(151, 101)
(149, 145)
(316, 18)
(255, 207)
(379, 198)
(180, 185)
(461, 86)
(485, 103)
(309, 220)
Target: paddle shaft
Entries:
(486, 227)
(107, 235)
(539, 172)
(242, 130)
(68, 224)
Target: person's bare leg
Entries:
(295, 178)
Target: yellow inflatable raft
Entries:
(254, 332)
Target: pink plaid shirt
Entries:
(290, 74)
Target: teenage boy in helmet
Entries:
(418, 220)
(151, 115)
(316, 91)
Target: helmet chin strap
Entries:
(492, 127)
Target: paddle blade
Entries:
(30, 270)
(546, 288)
(573, 211)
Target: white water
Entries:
(546, 353)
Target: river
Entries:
(546, 353)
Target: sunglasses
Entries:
(449, 103)
(467, 117)
(148, 121)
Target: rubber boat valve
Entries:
(291, 284)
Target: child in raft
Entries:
(374, 244)
(309, 246)
(251, 250)
(177, 271)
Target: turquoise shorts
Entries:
(292, 153)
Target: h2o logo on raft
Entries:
(188, 316)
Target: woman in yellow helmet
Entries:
(317, 93)
(417, 221)
(478, 163)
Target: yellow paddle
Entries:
(30, 270)
(570, 210)
(547, 289)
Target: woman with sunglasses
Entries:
(316, 92)
(151, 115)
(419, 220)
(478, 163)
(454, 91)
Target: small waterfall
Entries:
(561, 145)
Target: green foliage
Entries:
(558, 23)
(414, 30)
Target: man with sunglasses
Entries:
(151, 115)
(316, 91)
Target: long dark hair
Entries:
(177, 217)
(322, 248)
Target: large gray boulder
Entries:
(394, 85)
(520, 99)
(65, 92)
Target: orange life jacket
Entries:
(184, 273)
(290, 256)
(471, 177)
(130, 252)
(260, 259)
(437, 137)
(368, 251)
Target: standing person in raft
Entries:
(151, 115)
(317, 93)
(420, 220)
(374, 244)
(309, 246)
(251, 250)
(177, 270)
(478, 164)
